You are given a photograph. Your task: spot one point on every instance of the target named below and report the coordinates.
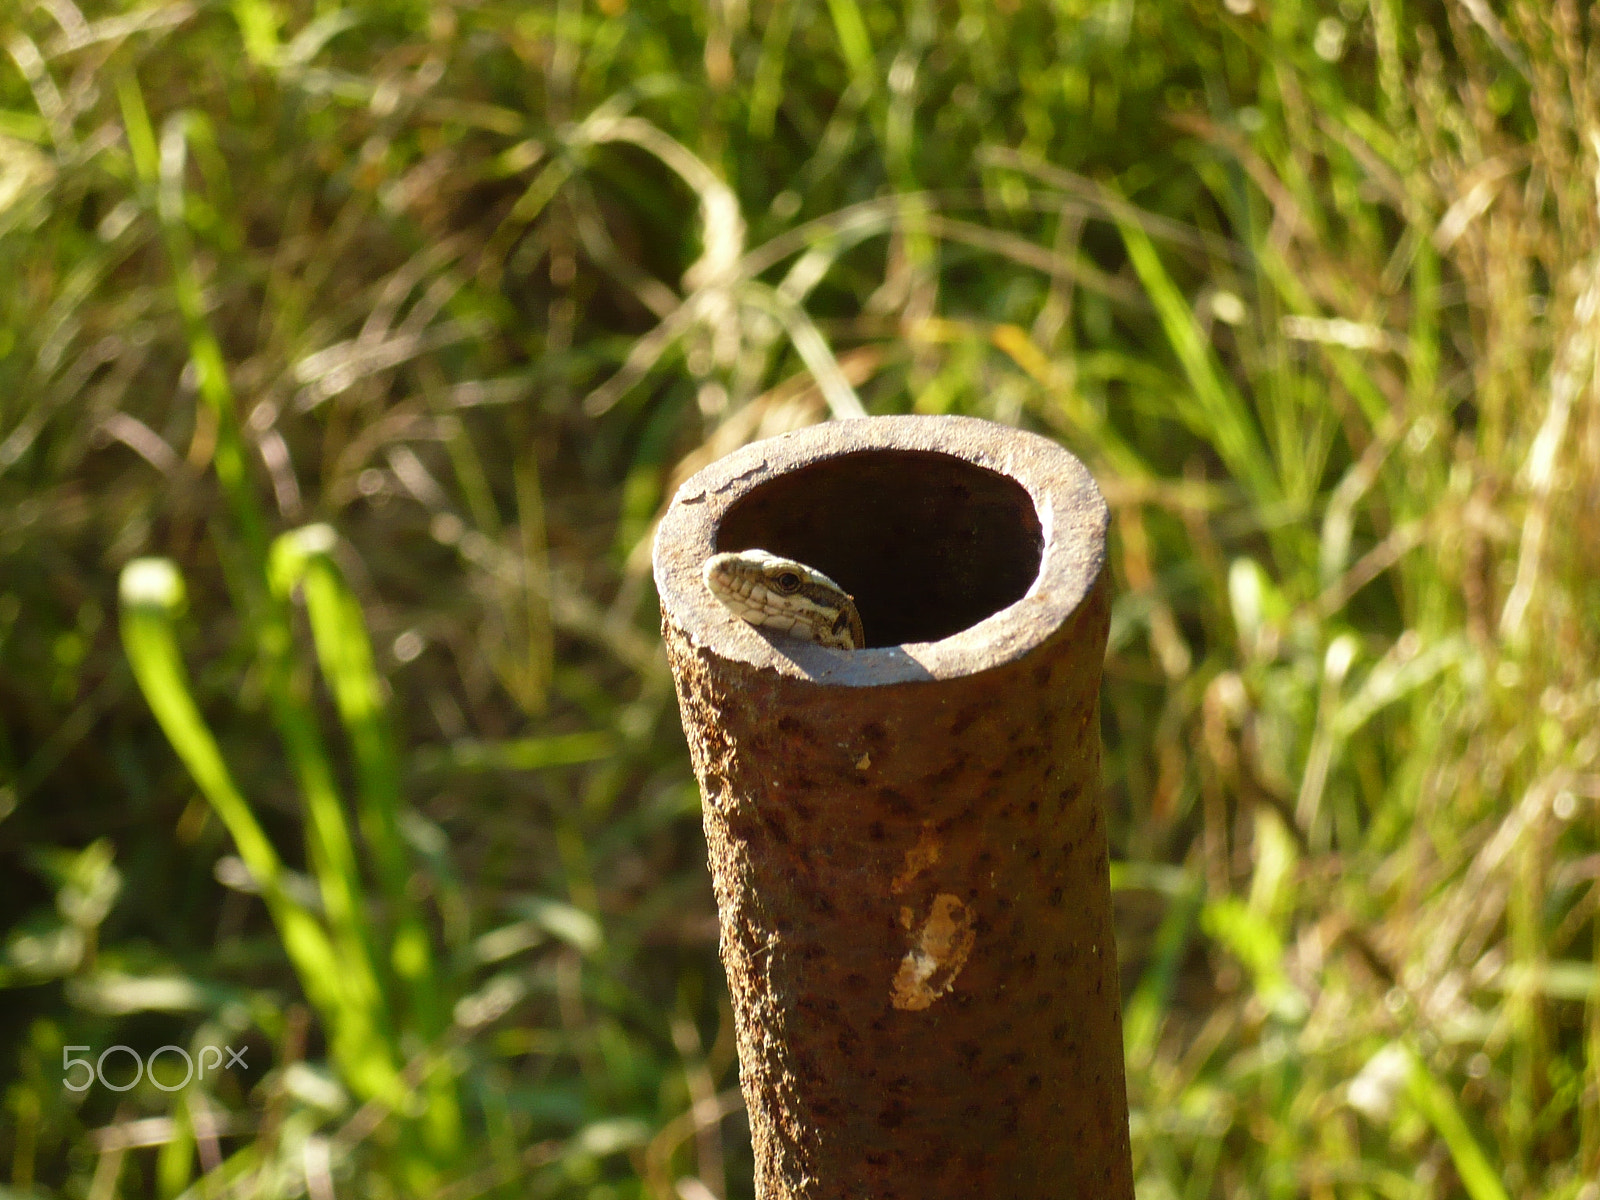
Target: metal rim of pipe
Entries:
(906, 841)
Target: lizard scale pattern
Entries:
(785, 596)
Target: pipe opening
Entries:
(927, 543)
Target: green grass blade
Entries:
(518, 754)
(1347, 364)
(1215, 411)
(854, 40)
(258, 30)
(1251, 939)
(152, 595)
(767, 91)
(1439, 1106)
(228, 458)
(303, 558)
(160, 167)
(1146, 1009)
(344, 653)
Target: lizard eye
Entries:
(788, 582)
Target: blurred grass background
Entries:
(374, 334)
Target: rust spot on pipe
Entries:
(906, 841)
(919, 858)
(939, 951)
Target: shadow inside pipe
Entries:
(927, 543)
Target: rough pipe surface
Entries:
(906, 841)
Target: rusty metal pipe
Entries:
(906, 841)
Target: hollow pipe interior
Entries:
(927, 543)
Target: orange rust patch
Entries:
(930, 967)
(919, 858)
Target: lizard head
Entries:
(785, 596)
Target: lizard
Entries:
(785, 596)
